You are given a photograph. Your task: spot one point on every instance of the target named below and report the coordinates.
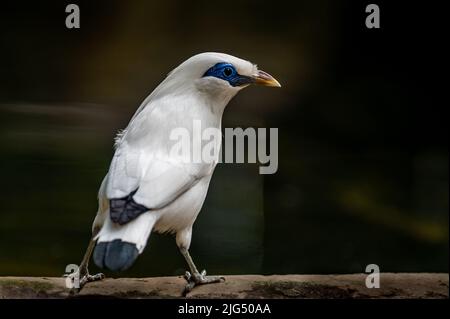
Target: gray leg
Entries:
(83, 272)
(195, 278)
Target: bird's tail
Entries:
(118, 246)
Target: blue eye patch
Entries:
(227, 72)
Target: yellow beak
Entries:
(264, 78)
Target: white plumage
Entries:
(172, 190)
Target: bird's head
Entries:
(219, 75)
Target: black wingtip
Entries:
(115, 255)
(124, 210)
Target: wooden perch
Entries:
(419, 285)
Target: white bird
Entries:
(147, 188)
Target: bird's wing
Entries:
(165, 180)
(144, 175)
(123, 176)
(139, 180)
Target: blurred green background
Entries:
(363, 153)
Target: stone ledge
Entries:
(393, 286)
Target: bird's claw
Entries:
(82, 281)
(197, 279)
(89, 278)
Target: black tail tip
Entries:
(115, 255)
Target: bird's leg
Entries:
(83, 272)
(85, 276)
(194, 277)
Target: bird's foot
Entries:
(197, 279)
(79, 281)
(90, 278)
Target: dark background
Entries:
(363, 156)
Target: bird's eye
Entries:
(227, 71)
